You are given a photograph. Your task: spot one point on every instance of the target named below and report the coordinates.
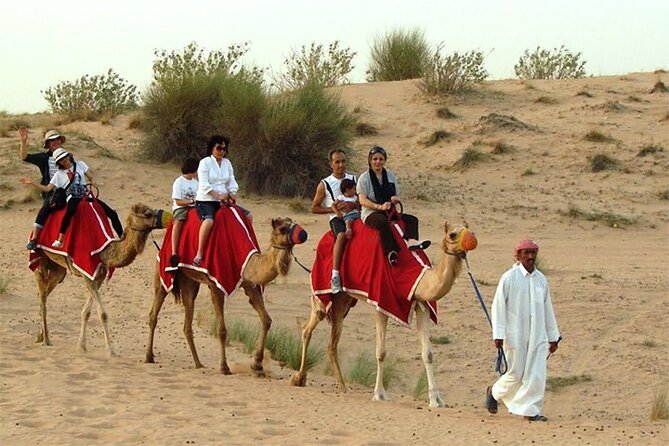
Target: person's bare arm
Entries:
(366, 202)
(316, 207)
(27, 180)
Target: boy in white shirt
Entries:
(184, 191)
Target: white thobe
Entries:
(522, 315)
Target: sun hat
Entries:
(59, 154)
(52, 134)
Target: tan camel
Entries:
(52, 269)
(260, 270)
(434, 285)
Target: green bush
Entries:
(455, 73)
(290, 150)
(89, 97)
(397, 55)
(560, 63)
(194, 95)
(312, 65)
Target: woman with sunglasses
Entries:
(217, 185)
(378, 191)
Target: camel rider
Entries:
(326, 192)
(43, 160)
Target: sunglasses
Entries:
(221, 148)
(378, 149)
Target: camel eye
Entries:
(453, 235)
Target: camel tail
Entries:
(176, 290)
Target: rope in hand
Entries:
(501, 365)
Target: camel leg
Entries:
(94, 290)
(47, 278)
(258, 303)
(381, 325)
(188, 297)
(159, 295)
(218, 299)
(317, 315)
(422, 325)
(340, 305)
(85, 315)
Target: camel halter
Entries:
(501, 366)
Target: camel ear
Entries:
(275, 223)
(446, 226)
(466, 224)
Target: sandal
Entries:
(57, 244)
(31, 244)
(392, 258)
(537, 417)
(197, 261)
(490, 401)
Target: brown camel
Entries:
(433, 285)
(260, 270)
(52, 269)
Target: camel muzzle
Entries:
(163, 219)
(297, 235)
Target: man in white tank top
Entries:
(328, 188)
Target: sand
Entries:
(610, 286)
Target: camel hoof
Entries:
(380, 397)
(199, 365)
(112, 354)
(226, 370)
(82, 348)
(437, 402)
(298, 380)
(149, 359)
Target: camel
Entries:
(52, 269)
(260, 270)
(433, 285)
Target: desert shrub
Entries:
(443, 339)
(663, 194)
(194, 95)
(602, 162)
(527, 172)
(546, 100)
(560, 63)
(286, 347)
(398, 55)
(89, 97)
(445, 113)
(650, 149)
(553, 384)
(364, 129)
(659, 87)
(452, 74)
(660, 405)
(613, 220)
(421, 387)
(501, 147)
(4, 283)
(288, 155)
(363, 370)
(596, 136)
(136, 122)
(437, 136)
(313, 65)
(585, 93)
(299, 205)
(470, 156)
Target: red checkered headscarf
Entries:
(525, 244)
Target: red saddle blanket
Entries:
(365, 270)
(89, 233)
(230, 245)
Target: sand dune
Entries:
(610, 285)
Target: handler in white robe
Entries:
(523, 322)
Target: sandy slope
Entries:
(609, 285)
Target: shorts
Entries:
(337, 225)
(207, 209)
(181, 213)
(353, 215)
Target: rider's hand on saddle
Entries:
(25, 180)
(386, 206)
(395, 199)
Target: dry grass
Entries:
(597, 136)
(501, 148)
(613, 220)
(663, 194)
(364, 129)
(650, 149)
(469, 158)
(659, 87)
(546, 100)
(553, 384)
(299, 205)
(446, 113)
(437, 136)
(660, 406)
(585, 93)
(602, 162)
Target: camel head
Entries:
(458, 239)
(144, 219)
(286, 234)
